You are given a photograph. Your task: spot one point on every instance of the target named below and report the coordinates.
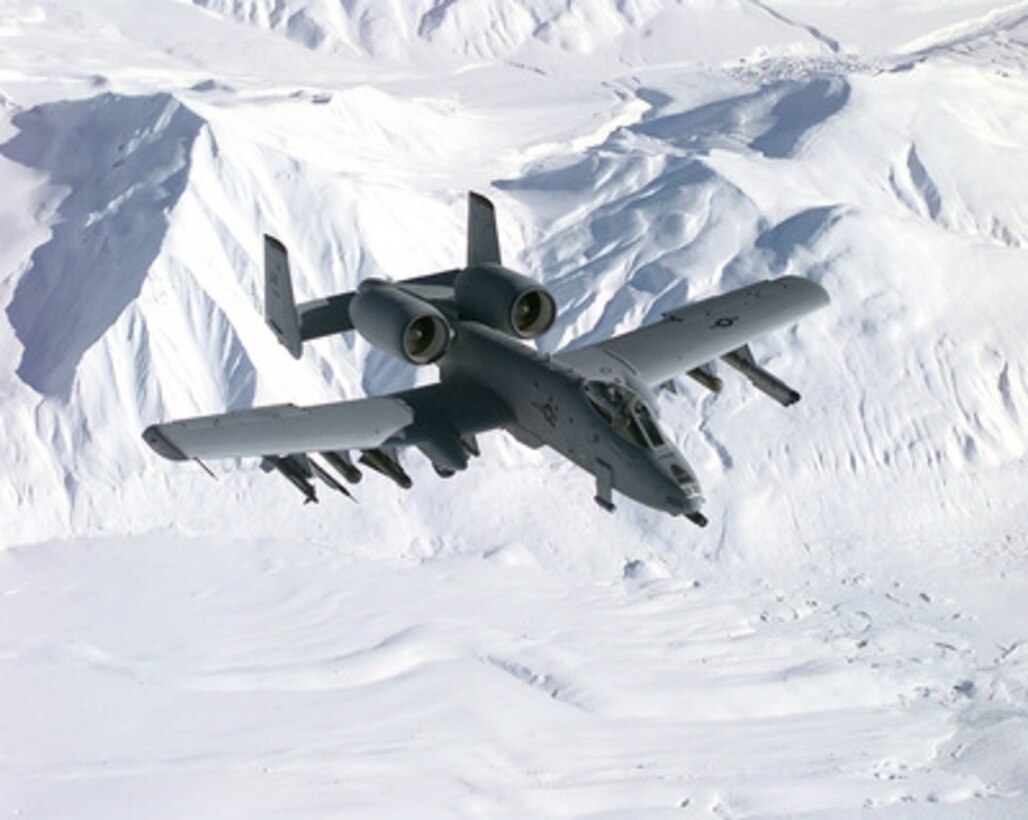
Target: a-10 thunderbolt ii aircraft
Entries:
(594, 405)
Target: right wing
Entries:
(435, 416)
(691, 336)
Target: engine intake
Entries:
(402, 325)
(504, 300)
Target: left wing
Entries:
(694, 335)
(435, 417)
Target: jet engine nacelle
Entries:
(504, 300)
(399, 323)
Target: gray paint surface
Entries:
(593, 405)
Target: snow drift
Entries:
(848, 631)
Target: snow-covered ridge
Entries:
(123, 163)
(153, 197)
(481, 30)
(847, 637)
(637, 31)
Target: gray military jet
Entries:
(594, 405)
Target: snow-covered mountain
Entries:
(849, 632)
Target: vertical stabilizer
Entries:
(279, 305)
(483, 241)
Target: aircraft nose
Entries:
(682, 484)
(690, 497)
(683, 498)
(683, 495)
(686, 501)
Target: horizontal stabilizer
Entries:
(325, 317)
(294, 324)
(742, 360)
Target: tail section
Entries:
(279, 304)
(294, 324)
(483, 241)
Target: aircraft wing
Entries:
(696, 334)
(433, 415)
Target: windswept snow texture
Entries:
(123, 163)
(848, 636)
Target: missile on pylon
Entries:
(323, 475)
(382, 462)
(742, 360)
(341, 463)
(705, 375)
(296, 472)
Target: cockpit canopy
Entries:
(625, 412)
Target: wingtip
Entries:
(160, 444)
(812, 292)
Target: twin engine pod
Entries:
(505, 300)
(400, 324)
(415, 330)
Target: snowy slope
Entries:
(847, 634)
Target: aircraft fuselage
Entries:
(550, 405)
(593, 404)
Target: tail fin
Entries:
(279, 305)
(483, 241)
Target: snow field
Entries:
(846, 637)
